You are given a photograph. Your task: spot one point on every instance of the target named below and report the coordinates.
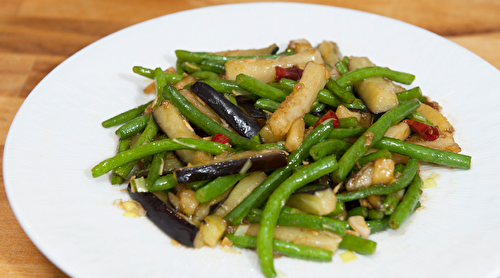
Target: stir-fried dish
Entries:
(299, 152)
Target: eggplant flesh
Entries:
(237, 119)
(166, 218)
(256, 161)
(255, 113)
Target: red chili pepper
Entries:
(293, 73)
(328, 115)
(220, 138)
(429, 132)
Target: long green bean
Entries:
(285, 248)
(123, 145)
(372, 135)
(125, 116)
(259, 88)
(304, 220)
(133, 127)
(357, 244)
(260, 194)
(362, 73)
(408, 203)
(149, 133)
(198, 57)
(217, 187)
(424, 153)
(156, 147)
(403, 181)
(276, 202)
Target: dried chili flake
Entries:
(293, 73)
(328, 115)
(429, 132)
(220, 138)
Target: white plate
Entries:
(56, 138)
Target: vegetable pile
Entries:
(298, 152)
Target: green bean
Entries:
(198, 57)
(372, 136)
(409, 94)
(416, 116)
(276, 202)
(224, 86)
(156, 169)
(311, 120)
(178, 67)
(399, 168)
(267, 104)
(123, 145)
(408, 203)
(217, 187)
(378, 225)
(358, 211)
(344, 95)
(149, 73)
(197, 184)
(341, 133)
(389, 204)
(125, 116)
(133, 127)
(339, 209)
(362, 73)
(259, 88)
(204, 122)
(279, 145)
(317, 107)
(190, 67)
(341, 67)
(210, 65)
(358, 244)
(303, 220)
(328, 147)
(154, 147)
(285, 248)
(260, 194)
(383, 153)
(403, 181)
(375, 214)
(205, 75)
(163, 183)
(146, 136)
(424, 153)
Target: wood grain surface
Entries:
(37, 35)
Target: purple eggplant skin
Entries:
(254, 112)
(261, 161)
(237, 119)
(166, 218)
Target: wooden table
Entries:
(37, 35)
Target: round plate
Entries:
(56, 138)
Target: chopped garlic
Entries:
(429, 183)
(358, 224)
(229, 250)
(348, 256)
(130, 214)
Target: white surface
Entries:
(56, 138)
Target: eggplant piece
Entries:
(237, 119)
(254, 112)
(166, 218)
(172, 123)
(249, 161)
